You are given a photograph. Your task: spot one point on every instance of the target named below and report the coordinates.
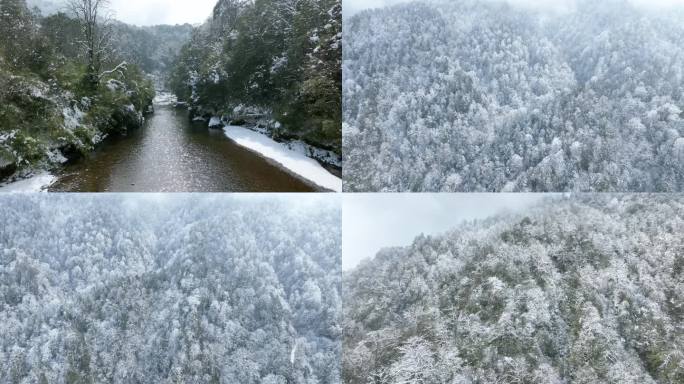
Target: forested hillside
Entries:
(485, 96)
(152, 48)
(580, 289)
(56, 100)
(275, 64)
(169, 289)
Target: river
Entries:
(172, 154)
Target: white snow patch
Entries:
(164, 98)
(509, 186)
(114, 85)
(215, 121)
(55, 156)
(72, 117)
(296, 162)
(7, 136)
(293, 353)
(36, 183)
(328, 157)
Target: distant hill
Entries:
(152, 48)
(47, 7)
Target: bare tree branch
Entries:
(119, 68)
(95, 21)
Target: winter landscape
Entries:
(91, 103)
(519, 95)
(568, 289)
(175, 288)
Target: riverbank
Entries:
(38, 182)
(171, 153)
(45, 124)
(294, 161)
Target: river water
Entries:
(172, 154)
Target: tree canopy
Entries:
(276, 58)
(579, 289)
(169, 289)
(485, 96)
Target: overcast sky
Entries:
(148, 12)
(350, 7)
(374, 221)
(151, 12)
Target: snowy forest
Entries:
(275, 64)
(169, 289)
(488, 96)
(576, 289)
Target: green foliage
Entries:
(282, 60)
(70, 78)
(314, 108)
(42, 78)
(63, 33)
(31, 150)
(117, 109)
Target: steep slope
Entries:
(48, 112)
(581, 289)
(275, 65)
(169, 290)
(486, 96)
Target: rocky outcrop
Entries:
(7, 165)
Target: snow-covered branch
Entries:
(121, 68)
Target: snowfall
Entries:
(295, 161)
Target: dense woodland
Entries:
(485, 96)
(169, 289)
(51, 107)
(580, 289)
(276, 63)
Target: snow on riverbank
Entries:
(164, 98)
(36, 183)
(294, 161)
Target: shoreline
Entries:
(38, 182)
(291, 157)
(293, 161)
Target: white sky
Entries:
(351, 7)
(149, 12)
(374, 221)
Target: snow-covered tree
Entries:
(581, 289)
(487, 96)
(173, 289)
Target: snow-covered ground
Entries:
(215, 122)
(35, 183)
(324, 155)
(294, 161)
(164, 98)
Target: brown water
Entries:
(172, 154)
